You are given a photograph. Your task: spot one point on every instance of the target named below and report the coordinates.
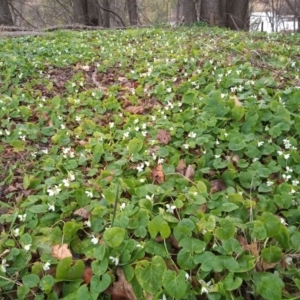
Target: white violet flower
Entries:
(46, 266)
(27, 247)
(51, 207)
(89, 194)
(94, 240)
(170, 208)
(115, 260)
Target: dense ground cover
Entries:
(151, 164)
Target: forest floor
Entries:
(150, 164)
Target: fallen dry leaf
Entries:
(237, 101)
(82, 212)
(181, 167)
(157, 174)
(137, 110)
(121, 289)
(163, 136)
(87, 275)
(61, 251)
(217, 185)
(189, 173)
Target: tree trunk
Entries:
(213, 12)
(106, 17)
(132, 12)
(189, 12)
(237, 14)
(80, 11)
(92, 13)
(233, 14)
(5, 14)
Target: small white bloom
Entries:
(138, 245)
(111, 124)
(94, 240)
(288, 260)
(4, 265)
(286, 156)
(282, 220)
(160, 161)
(27, 247)
(87, 223)
(260, 143)
(142, 180)
(192, 134)
(46, 266)
(62, 126)
(122, 206)
(217, 156)
(77, 118)
(170, 208)
(289, 170)
(286, 177)
(16, 232)
(126, 134)
(150, 197)
(169, 90)
(51, 207)
(144, 133)
(292, 192)
(71, 177)
(55, 190)
(217, 142)
(89, 194)
(186, 146)
(295, 182)
(270, 183)
(279, 152)
(66, 182)
(22, 218)
(115, 260)
(140, 167)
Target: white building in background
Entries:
(265, 21)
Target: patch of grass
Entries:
(158, 162)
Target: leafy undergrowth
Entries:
(150, 164)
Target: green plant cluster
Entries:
(180, 167)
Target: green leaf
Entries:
(230, 283)
(232, 246)
(22, 292)
(238, 112)
(114, 236)
(97, 151)
(271, 223)
(135, 145)
(98, 286)
(227, 229)
(46, 283)
(69, 270)
(18, 145)
(271, 254)
(189, 97)
(268, 285)
(175, 284)
(159, 225)
(236, 144)
(99, 267)
(31, 280)
(69, 230)
(192, 245)
(149, 274)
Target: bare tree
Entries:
(5, 14)
(132, 11)
(294, 6)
